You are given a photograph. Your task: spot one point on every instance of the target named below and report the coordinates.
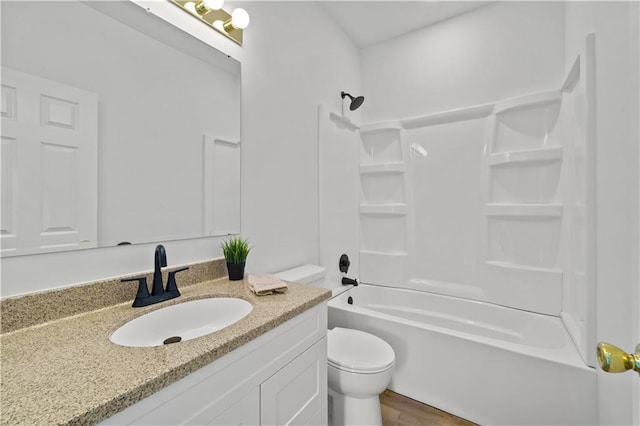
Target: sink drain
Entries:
(169, 340)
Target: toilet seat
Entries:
(356, 351)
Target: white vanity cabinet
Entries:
(278, 378)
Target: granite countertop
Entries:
(67, 371)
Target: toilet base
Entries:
(347, 410)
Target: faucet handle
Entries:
(143, 291)
(172, 287)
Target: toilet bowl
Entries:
(359, 367)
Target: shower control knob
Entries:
(614, 360)
(344, 263)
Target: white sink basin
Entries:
(180, 322)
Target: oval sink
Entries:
(183, 321)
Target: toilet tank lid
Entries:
(304, 274)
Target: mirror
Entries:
(117, 128)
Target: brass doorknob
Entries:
(614, 360)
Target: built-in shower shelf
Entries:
(451, 116)
(343, 121)
(380, 127)
(393, 167)
(383, 267)
(525, 268)
(526, 156)
(384, 253)
(527, 277)
(523, 210)
(380, 144)
(384, 209)
(528, 101)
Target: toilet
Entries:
(360, 364)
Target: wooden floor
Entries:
(398, 410)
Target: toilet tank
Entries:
(314, 275)
(305, 274)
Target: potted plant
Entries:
(235, 252)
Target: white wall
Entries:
(287, 70)
(615, 25)
(495, 52)
(295, 58)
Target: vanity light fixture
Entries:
(211, 13)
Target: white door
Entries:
(635, 112)
(221, 196)
(618, 205)
(619, 324)
(49, 165)
(635, 394)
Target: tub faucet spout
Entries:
(349, 281)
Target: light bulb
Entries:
(213, 4)
(218, 25)
(240, 18)
(190, 6)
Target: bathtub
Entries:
(482, 362)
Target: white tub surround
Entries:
(492, 202)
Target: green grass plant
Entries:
(236, 250)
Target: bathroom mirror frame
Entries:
(198, 196)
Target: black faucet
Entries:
(158, 292)
(160, 262)
(349, 281)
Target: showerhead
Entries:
(355, 102)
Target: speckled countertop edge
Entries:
(68, 371)
(37, 308)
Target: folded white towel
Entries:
(266, 284)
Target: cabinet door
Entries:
(296, 393)
(243, 412)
